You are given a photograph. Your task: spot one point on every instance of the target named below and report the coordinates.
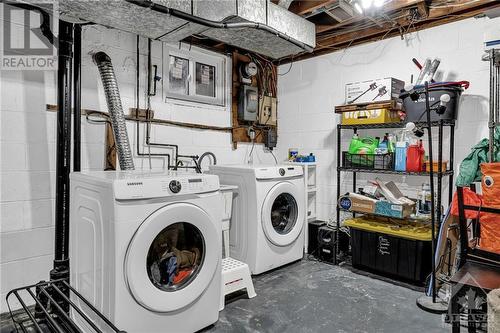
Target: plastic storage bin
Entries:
(415, 110)
(401, 251)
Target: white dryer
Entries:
(267, 228)
(145, 248)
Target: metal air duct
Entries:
(255, 25)
(103, 62)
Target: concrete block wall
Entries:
(310, 89)
(28, 140)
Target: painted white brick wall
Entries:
(28, 146)
(310, 90)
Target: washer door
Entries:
(172, 257)
(282, 214)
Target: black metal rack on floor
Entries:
(441, 124)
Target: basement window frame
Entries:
(202, 57)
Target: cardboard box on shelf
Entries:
(357, 204)
(376, 90)
(386, 208)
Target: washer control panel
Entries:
(165, 186)
(279, 172)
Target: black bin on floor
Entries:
(397, 257)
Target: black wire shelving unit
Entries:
(439, 174)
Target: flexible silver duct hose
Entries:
(103, 62)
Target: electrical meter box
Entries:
(267, 110)
(248, 103)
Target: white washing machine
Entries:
(145, 249)
(267, 227)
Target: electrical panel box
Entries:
(248, 103)
(271, 138)
(267, 110)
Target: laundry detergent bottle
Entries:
(415, 157)
(365, 145)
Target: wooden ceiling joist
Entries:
(399, 17)
(303, 7)
(391, 7)
(429, 17)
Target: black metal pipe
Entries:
(464, 240)
(492, 106)
(337, 208)
(431, 175)
(137, 105)
(452, 161)
(440, 172)
(214, 24)
(77, 98)
(63, 164)
(148, 125)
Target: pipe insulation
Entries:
(103, 62)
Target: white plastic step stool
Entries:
(235, 274)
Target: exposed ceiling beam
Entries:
(434, 13)
(458, 6)
(285, 3)
(302, 7)
(436, 16)
(389, 7)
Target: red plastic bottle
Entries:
(415, 157)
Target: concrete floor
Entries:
(309, 296)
